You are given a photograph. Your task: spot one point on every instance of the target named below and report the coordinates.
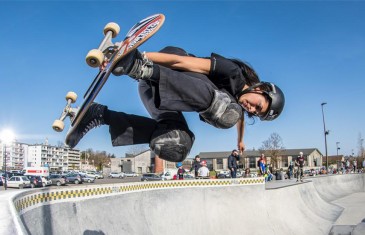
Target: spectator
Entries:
(248, 172)
(268, 176)
(196, 165)
(354, 163)
(347, 164)
(232, 163)
(203, 170)
(180, 171)
(290, 169)
(262, 164)
(300, 163)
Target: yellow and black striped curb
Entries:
(29, 201)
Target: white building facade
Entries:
(57, 158)
(16, 153)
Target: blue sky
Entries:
(314, 51)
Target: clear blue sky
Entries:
(315, 51)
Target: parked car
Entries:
(74, 178)
(151, 177)
(130, 174)
(100, 175)
(189, 177)
(224, 174)
(36, 181)
(96, 175)
(18, 182)
(89, 179)
(58, 180)
(46, 181)
(116, 175)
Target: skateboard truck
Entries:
(96, 57)
(68, 111)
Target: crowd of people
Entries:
(294, 170)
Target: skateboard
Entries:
(108, 53)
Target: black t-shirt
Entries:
(226, 74)
(300, 161)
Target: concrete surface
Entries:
(320, 205)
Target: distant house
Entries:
(218, 160)
(139, 163)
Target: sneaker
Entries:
(92, 118)
(136, 65)
(125, 64)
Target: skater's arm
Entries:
(185, 63)
(240, 133)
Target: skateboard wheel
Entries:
(94, 58)
(114, 27)
(58, 125)
(71, 96)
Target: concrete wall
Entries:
(229, 206)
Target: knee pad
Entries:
(172, 145)
(222, 113)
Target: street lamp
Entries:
(7, 137)
(325, 135)
(338, 148)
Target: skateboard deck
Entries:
(110, 54)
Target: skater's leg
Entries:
(171, 140)
(128, 129)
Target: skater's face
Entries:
(254, 102)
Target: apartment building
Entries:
(21, 155)
(16, 153)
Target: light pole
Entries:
(6, 137)
(338, 148)
(325, 136)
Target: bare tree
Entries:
(273, 148)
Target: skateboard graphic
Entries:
(109, 53)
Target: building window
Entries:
(252, 162)
(284, 161)
(219, 163)
(210, 164)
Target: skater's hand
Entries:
(241, 147)
(103, 65)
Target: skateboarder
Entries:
(173, 81)
(300, 163)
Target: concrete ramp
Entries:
(238, 206)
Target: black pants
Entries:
(165, 100)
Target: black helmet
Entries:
(273, 94)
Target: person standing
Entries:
(180, 171)
(300, 163)
(354, 163)
(290, 169)
(232, 163)
(262, 164)
(203, 170)
(196, 165)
